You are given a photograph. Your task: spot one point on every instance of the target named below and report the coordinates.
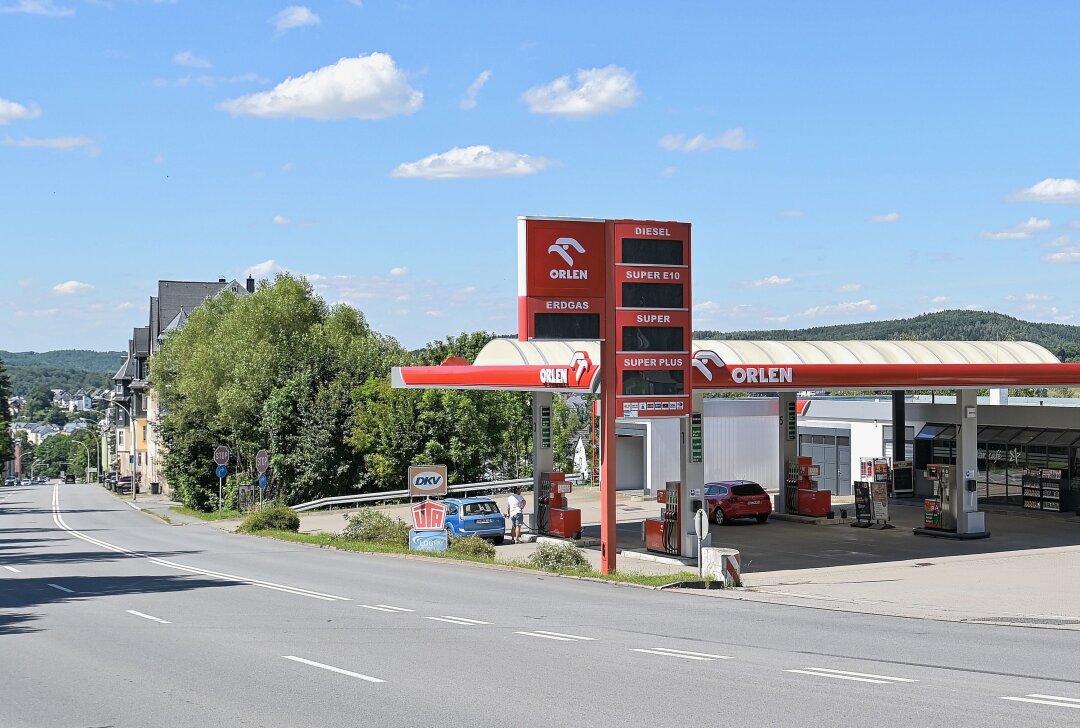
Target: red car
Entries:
(737, 499)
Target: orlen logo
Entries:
(562, 247)
(580, 364)
(702, 359)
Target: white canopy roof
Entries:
(506, 352)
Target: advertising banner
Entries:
(427, 480)
(862, 500)
(879, 501)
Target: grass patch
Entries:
(330, 540)
(162, 516)
(211, 516)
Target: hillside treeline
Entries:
(1061, 339)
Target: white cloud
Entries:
(68, 288)
(791, 213)
(62, 144)
(37, 313)
(264, 270)
(597, 91)
(37, 7)
(281, 220)
(364, 87)
(732, 139)
(768, 281)
(294, 16)
(888, 217)
(1064, 254)
(849, 288)
(399, 271)
(1021, 231)
(865, 305)
(1036, 297)
(25, 282)
(668, 171)
(189, 59)
(1063, 191)
(435, 313)
(288, 167)
(12, 111)
(1059, 242)
(938, 300)
(476, 161)
(468, 101)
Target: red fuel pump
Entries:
(553, 514)
(812, 502)
(662, 534)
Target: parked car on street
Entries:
(475, 517)
(9, 481)
(732, 499)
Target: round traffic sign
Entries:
(262, 461)
(222, 471)
(221, 455)
(262, 481)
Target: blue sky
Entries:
(840, 161)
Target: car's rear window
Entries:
(483, 508)
(747, 489)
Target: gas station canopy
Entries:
(763, 365)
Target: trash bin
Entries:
(155, 488)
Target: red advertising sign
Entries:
(428, 516)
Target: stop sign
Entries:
(221, 455)
(262, 461)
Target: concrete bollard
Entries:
(723, 565)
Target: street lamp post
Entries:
(87, 448)
(134, 466)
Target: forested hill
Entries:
(1063, 340)
(101, 362)
(68, 369)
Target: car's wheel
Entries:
(721, 519)
(763, 517)
(498, 540)
(449, 534)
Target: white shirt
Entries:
(514, 504)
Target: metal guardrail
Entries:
(340, 500)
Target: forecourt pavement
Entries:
(111, 617)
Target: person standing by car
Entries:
(515, 511)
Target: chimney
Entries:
(221, 279)
(250, 285)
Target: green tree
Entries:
(7, 446)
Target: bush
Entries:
(472, 547)
(374, 526)
(559, 557)
(273, 517)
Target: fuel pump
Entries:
(937, 510)
(664, 534)
(554, 516)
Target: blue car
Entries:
(475, 517)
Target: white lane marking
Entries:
(546, 636)
(386, 608)
(1054, 700)
(331, 668)
(458, 620)
(396, 609)
(147, 616)
(567, 636)
(13, 569)
(667, 653)
(862, 674)
(684, 653)
(62, 588)
(59, 520)
(839, 677)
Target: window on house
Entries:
(120, 438)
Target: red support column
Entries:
(609, 390)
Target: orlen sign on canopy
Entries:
(561, 278)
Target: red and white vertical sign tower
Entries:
(627, 283)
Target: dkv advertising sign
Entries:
(427, 480)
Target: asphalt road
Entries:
(109, 617)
